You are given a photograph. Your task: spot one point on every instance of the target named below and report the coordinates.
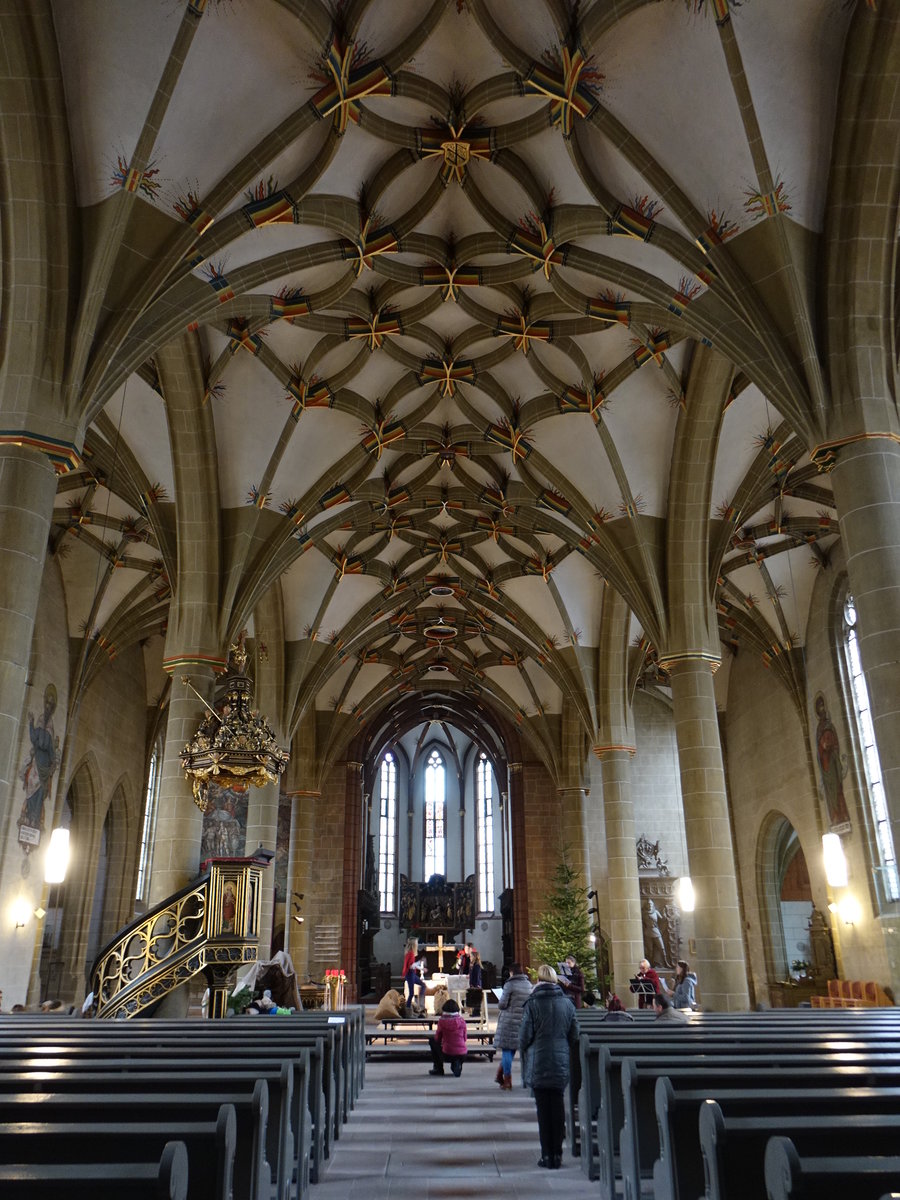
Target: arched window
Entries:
(484, 833)
(435, 817)
(151, 798)
(887, 866)
(387, 832)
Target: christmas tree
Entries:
(566, 926)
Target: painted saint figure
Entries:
(38, 772)
(832, 766)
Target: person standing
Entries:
(573, 983)
(448, 1041)
(516, 991)
(474, 993)
(684, 986)
(646, 974)
(411, 977)
(546, 1037)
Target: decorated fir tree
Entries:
(566, 925)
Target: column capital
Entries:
(615, 748)
(561, 791)
(62, 454)
(679, 657)
(825, 454)
(514, 767)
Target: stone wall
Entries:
(769, 779)
(870, 948)
(22, 876)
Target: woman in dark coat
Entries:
(516, 991)
(547, 1034)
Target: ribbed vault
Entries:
(425, 299)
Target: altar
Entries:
(456, 986)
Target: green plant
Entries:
(566, 925)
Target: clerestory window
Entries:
(387, 832)
(484, 832)
(435, 817)
(148, 826)
(887, 867)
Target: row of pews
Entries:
(783, 1104)
(241, 1109)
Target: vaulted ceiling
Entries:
(423, 286)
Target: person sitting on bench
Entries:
(448, 1041)
(665, 1011)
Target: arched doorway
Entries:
(786, 900)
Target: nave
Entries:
(411, 1135)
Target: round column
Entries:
(27, 491)
(625, 927)
(866, 483)
(262, 830)
(179, 822)
(720, 963)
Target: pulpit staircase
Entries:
(209, 927)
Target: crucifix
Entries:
(440, 947)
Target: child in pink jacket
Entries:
(449, 1040)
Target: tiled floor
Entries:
(412, 1135)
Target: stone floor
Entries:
(412, 1135)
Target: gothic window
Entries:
(387, 831)
(435, 817)
(151, 798)
(887, 866)
(484, 833)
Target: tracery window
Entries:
(887, 867)
(387, 832)
(148, 827)
(484, 832)
(435, 816)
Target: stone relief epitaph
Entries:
(660, 915)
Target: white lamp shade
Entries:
(686, 893)
(56, 862)
(20, 911)
(835, 860)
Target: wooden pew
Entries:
(288, 1113)
(680, 1167)
(312, 1138)
(733, 1147)
(340, 1038)
(599, 1107)
(210, 1146)
(639, 1136)
(789, 1176)
(251, 1178)
(166, 1179)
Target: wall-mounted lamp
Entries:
(686, 894)
(835, 860)
(20, 912)
(848, 909)
(592, 894)
(297, 916)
